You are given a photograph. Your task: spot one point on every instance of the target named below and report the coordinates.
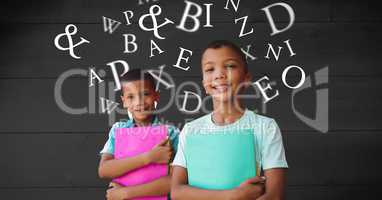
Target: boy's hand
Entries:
(114, 185)
(161, 153)
(116, 192)
(249, 189)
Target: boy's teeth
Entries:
(221, 88)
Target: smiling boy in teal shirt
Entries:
(225, 74)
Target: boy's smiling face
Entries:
(224, 73)
(139, 98)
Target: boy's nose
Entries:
(220, 73)
(138, 100)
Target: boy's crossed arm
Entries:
(157, 187)
(275, 184)
(250, 189)
(111, 168)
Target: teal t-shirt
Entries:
(268, 145)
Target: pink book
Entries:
(134, 141)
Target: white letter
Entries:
(290, 48)
(127, 42)
(93, 75)
(152, 43)
(270, 48)
(159, 79)
(193, 17)
(128, 15)
(235, 6)
(115, 73)
(185, 101)
(243, 26)
(247, 54)
(155, 10)
(109, 25)
(180, 57)
(263, 89)
(208, 15)
(110, 105)
(271, 21)
(302, 80)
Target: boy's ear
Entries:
(157, 96)
(123, 101)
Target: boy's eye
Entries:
(146, 93)
(209, 69)
(231, 65)
(130, 96)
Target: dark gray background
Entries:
(49, 154)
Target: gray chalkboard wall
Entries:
(48, 153)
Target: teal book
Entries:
(220, 160)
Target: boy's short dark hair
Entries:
(225, 43)
(138, 74)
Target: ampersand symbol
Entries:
(155, 10)
(70, 30)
